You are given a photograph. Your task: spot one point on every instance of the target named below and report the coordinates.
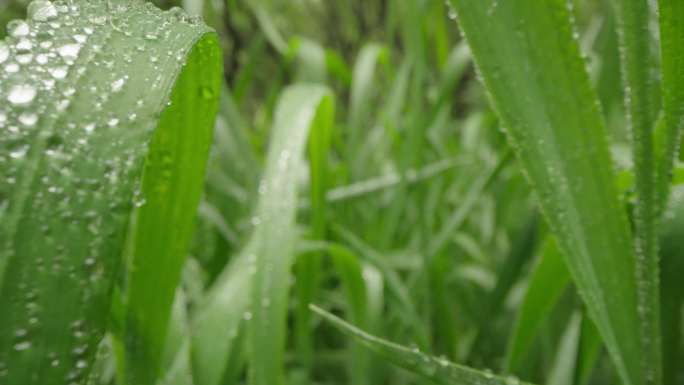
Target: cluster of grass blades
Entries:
(174, 215)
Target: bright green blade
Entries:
(549, 279)
(303, 111)
(633, 17)
(562, 371)
(590, 347)
(672, 300)
(218, 319)
(84, 115)
(171, 188)
(308, 266)
(671, 14)
(437, 369)
(301, 108)
(532, 67)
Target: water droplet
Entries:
(21, 346)
(40, 10)
(24, 45)
(11, 68)
(28, 119)
(4, 51)
(18, 28)
(118, 84)
(58, 72)
(21, 94)
(69, 51)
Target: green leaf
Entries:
(254, 287)
(309, 265)
(671, 13)
(437, 369)
(549, 279)
(300, 109)
(87, 137)
(633, 18)
(533, 70)
(672, 252)
(564, 365)
(590, 347)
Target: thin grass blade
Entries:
(437, 369)
(532, 67)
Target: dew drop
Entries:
(21, 94)
(18, 28)
(11, 68)
(21, 346)
(69, 51)
(4, 51)
(28, 119)
(118, 84)
(40, 10)
(58, 72)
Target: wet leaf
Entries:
(83, 113)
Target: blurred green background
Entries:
(424, 189)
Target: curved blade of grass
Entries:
(437, 369)
(633, 18)
(549, 279)
(217, 322)
(81, 120)
(308, 266)
(171, 188)
(531, 65)
(671, 13)
(361, 94)
(349, 268)
(672, 299)
(312, 62)
(564, 365)
(299, 109)
(590, 347)
(255, 285)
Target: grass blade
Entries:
(85, 127)
(302, 110)
(549, 279)
(672, 63)
(672, 298)
(551, 115)
(299, 110)
(633, 21)
(564, 366)
(309, 265)
(439, 370)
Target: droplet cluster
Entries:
(81, 90)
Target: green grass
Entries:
(341, 192)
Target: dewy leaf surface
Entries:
(300, 108)
(437, 369)
(532, 68)
(83, 111)
(254, 286)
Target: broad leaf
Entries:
(109, 111)
(531, 65)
